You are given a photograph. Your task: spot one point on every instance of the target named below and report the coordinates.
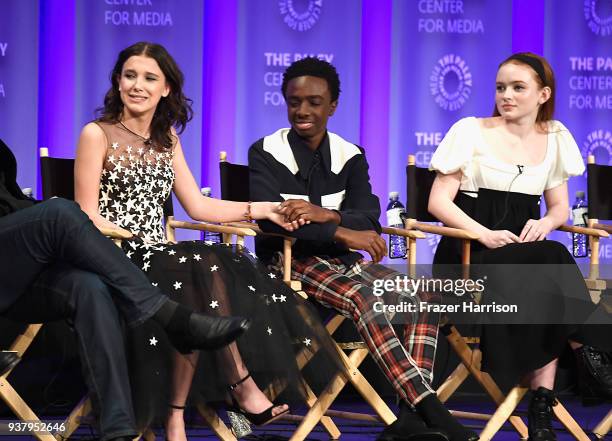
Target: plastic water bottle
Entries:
(398, 247)
(580, 212)
(210, 236)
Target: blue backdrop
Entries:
(409, 69)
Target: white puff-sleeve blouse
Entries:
(464, 148)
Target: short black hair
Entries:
(313, 67)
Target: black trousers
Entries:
(54, 264)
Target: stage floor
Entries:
(587, 417)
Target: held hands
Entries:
(275, 215)
(298, 209)
(368, 241)
(294, 213)
(535, 230)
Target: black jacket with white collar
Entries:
(335, 176)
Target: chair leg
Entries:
(74, 419)
(503, 412)
(602, 429)
(20, 408)
(569, 422)
(24, 340)
(327, 422)
(452, 382)
(366, 390)
(471, 360)
(318, 409)
(329, 394)
(216, 424)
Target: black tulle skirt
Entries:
(218, 279)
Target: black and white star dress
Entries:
(212, 278)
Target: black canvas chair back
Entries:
(234, 181)
(57, 176)
(599, 185)
(419, 182)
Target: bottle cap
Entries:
(206, 191)
(394, 195)
(580, 194)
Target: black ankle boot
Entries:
(594, 375)
(436, 415)
(540, 415)
(188, 330)
(409, 426)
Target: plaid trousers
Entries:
(408, 365)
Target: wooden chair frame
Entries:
(8, 393)
(470, 358)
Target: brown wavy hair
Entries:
(171, 111)
(547, 110)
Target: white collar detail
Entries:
(277, 144)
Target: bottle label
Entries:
(579, 216)
(394, 216)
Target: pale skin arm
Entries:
(206, 209)
(557, 209)
(91, 151)
(89, 161)
(441, 205)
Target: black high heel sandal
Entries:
(174, 406)
(257, 419)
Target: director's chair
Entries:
(419, 183)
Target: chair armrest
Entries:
(249, 225)
(606, 228)
(116, 233)
(201, 226)
(412, 234)
(595, 232)
(441, 230)
(258, 230)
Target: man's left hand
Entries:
(295, 209)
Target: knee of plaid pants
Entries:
(419, 324)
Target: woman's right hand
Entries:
(498, 238)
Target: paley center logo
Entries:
(599, 144)
(300, 15)
(450, 82)
(598, 15)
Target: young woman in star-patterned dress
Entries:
(128, 162)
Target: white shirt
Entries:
(464, 148)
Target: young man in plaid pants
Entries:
(323, 179)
